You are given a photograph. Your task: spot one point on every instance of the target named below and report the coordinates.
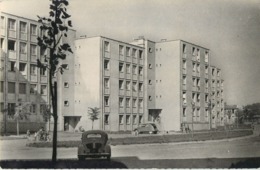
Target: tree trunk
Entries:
(17, 127)
(92, 124)
(55, 117)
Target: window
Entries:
(134, 53)
(150, 66)
(198, 67)
(33, 29)
(194, 82)
(140, 103)
(33, 88)
(106, 83)
(134, 119)
(11, 45)
(198, 97)
(128, 69)
(207, 83)
(213, 72)
(184, 80)
(43, 71)
(134, 86)
(106, 64)
(194, 112)
(127, 102)
(206, 97)
(121, 84)
(140, 54)
(66, 103)
(106, 119)
(140, 70)
(184, 48)
(140, 87)
(184, 112)
(33, 108)
(12, 66)
(65, 66)
(11, 108)
(33, 49)
(193, 51)
(134, 102)
(128, 85)
(198, 82)
(150, 50)
(22, 88)
(206, 69)
(11, 87)
(121, 67)
(198, 54)
(106, 100)
(193, 97)
(23, 27)
(218, 73)
(206, 56)
(106, 46)
(42, 51)
(121, 119)
(11, 24)
(150, 82)
(134, 69)
(140, 119)
(1, 86)
(184, 65)
(23, 48)
(121, 50)
(150, 98)
(184, 100)
(33, 69)
(198, 113)
(43, 90)
(128, 120)
(194, 67)
(66, 84)
(127, 51)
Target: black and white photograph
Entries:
(129, 84)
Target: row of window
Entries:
(195, 67)
(22, 67)
(128, 120)
(124, 85)
(195, 52)
(33, 108)
(23, 88)
(12, 46)
(122, 50)
(12, 24)
(195, 97)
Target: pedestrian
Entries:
(28, 134)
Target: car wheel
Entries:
(81, 158)
(108, 157)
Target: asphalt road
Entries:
(208, 154)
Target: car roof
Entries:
(94, 132)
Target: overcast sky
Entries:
(229, 28)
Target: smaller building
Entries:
(231, 113)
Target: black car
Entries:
(94, 145)
(149, 128)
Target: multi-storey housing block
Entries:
(21, 80)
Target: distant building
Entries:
(166, 82)
(231, 113)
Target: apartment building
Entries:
(21, 80)
(217, 97)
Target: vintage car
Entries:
(149, 128)
(94, 145)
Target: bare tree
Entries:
(54, 28)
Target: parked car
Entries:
(94, 145)
(149, 128)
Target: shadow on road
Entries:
(134, 162)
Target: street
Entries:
(218, 154)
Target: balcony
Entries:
(134, 110)
(128, 92)
(33, 78)
(141, 110)
(43, 79)
(121, 75)
(135, 60)
(107, 54)
(194, 74)
(11, 54)
(33, 58)
(184, 71)
(121, 109)
(140, 77)
(140, 94)
(107, 73)
(121, 92)
(134, 93)
(134, 77)
(12, 33)
(33, 38)
(23, 36)
(107, 109)
(128, 110)
(128, 59)
(128, 76)
(23, 56)
(121, 58)
(184, 87)
(141, 61)
(107, 91)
